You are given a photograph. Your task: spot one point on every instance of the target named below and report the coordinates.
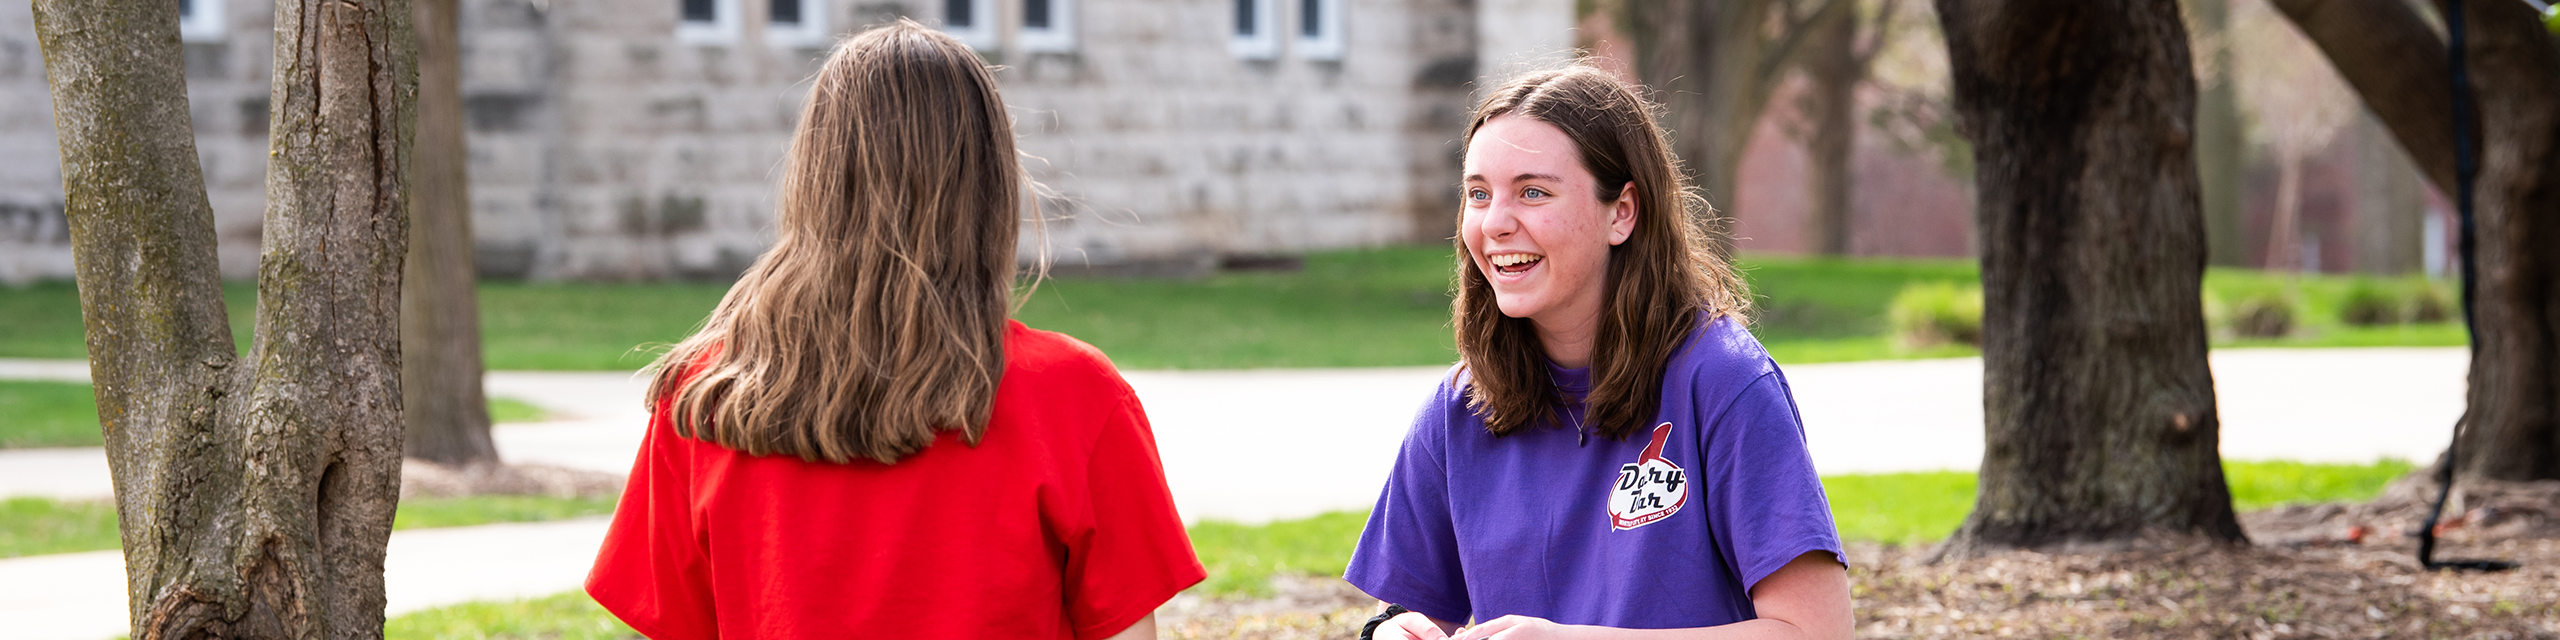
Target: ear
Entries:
(1622, 215)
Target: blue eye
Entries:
(1534, 192)
(1478, 195)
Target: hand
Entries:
(1512, 628)
(1410, 625)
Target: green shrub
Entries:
(2262, 313)
(2369, 303)
(2431, 302)
(1931, 314)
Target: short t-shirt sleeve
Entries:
(1766, 505)
(1408, 553)
(1136, 555)
(653, 571)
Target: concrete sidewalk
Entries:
(1259, 445)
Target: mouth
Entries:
(1514, 263)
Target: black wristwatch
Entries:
(1370, 631)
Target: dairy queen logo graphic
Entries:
(1649, 489)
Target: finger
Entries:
(1486, 630)
(1417, 626)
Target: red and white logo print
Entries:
(1649, 489)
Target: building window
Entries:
(707, 21)
(796, 23)
(1320, 29)
(1048, 25)
(1255, 36)
(973, 22)
(200, 20)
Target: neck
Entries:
(1569, 344)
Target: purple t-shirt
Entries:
(1666, 529)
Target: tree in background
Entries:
(448, 415)
(2099, 407)
(255, 496)
(1712, 66)
(2398, 63)
(1839, 49)
(2299, 106)
(2221, 152)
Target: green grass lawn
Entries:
(64, 414)
(36, 526)
(1367, 307)
(47, 414)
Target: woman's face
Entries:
(1534, 226)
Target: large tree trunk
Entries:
(2221, 139)
(255, 498)
(2098, 403)
(2398, 65)
(1712, 66)
(439, 310)
(1833, 68)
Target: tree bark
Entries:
(1712, 66)
(2398, 65)
(2221, 139)
(254, 499)
(1834, 69)
(2099, 407)
(2514, 431)
(447, 411)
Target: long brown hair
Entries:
(878, 318)
(1659, 280)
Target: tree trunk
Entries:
(1712, 66)
(439, 311)
(2098, 403)
(2397, 63)
(2514, 431)
(1833, 66)
(2284, 235)
(255, 499)
(2221, 139)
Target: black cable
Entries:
(2466, 170)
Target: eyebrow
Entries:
(1478, 177)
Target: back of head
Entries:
(878, 317)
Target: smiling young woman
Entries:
(1587, 307)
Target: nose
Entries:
(1498, 219)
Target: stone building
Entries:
(633, 140)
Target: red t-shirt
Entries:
(1057, 525)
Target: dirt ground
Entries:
(2318, 571)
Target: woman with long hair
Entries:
(859, 442)
(1614, 455)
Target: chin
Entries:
(1513, 306)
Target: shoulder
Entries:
(1720, 362)
(1050, 358)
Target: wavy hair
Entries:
(1659, 281)
(877, 319)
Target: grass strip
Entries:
(502, 410)
(569, 615)
(47, 414)
(37, 526)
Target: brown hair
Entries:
(878, 318)
(1659, 280)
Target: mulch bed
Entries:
(2316, 571)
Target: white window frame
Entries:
(811, 31)
(1264, 43)
(1059, 37)
(721, 30)
(205, 26)
(1326, 44)
(980, 34)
